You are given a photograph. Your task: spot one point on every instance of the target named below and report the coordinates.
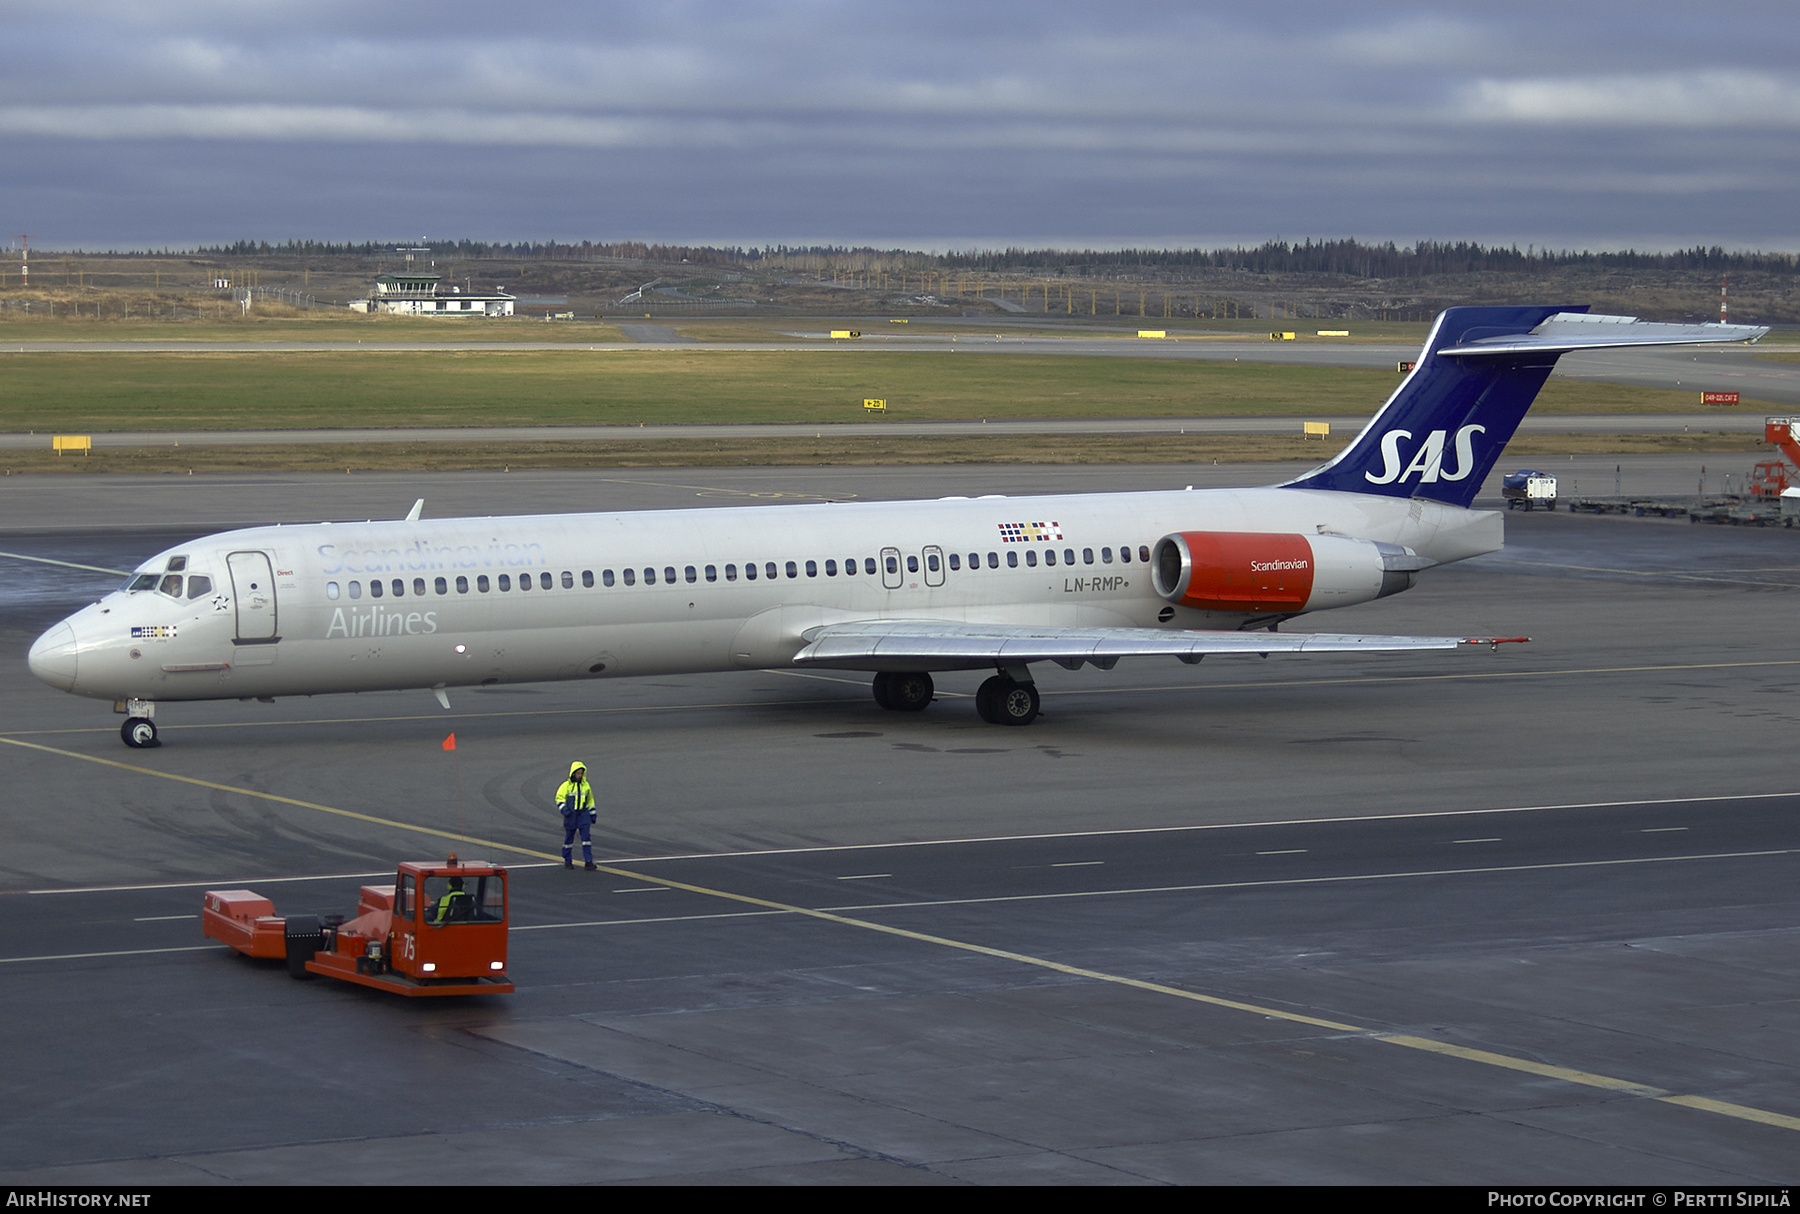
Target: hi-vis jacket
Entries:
(575, 798)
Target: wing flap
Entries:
(865, 644)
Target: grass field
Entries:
(830, 449)
(93, 393)
(296, 325)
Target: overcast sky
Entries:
(1586, 123)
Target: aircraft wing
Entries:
(949, 645)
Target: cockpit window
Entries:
(177, 564)
(199, 586)
(143, 581)
(171, 586)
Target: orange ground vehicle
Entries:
(439, 929)
(1770, 478)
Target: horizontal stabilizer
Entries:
(1568, 331)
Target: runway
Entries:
(1514, 917)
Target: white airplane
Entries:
(898, 588)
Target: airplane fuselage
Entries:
(338, 607)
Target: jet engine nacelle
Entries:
(1251, 572)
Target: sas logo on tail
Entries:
(1428, 460)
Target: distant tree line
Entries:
(1350, 258)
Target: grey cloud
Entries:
(898, 122)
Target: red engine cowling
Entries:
(1259, 573)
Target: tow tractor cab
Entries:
(439, 929)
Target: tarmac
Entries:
(1514, 917)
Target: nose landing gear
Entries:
(139, 731)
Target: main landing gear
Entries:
(139, 731)
(1002, 700)
(903, 691)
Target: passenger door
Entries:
(253, 593)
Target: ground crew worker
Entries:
(576, 801)
(455, 904)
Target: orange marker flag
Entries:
(450, 742)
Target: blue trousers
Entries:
(574, 824)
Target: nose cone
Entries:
(53, 657)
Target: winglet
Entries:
(412, 516)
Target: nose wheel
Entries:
(139, 733)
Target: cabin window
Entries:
(712, 573)
(462, 584)
(793, 570)
(812, 569)
(419, 586)
(503, 582)
(546, 582)
(587, 578)
(750, 571)
(524, 581)
(912, 564)
(691, 574)
(331, 590)
(375, 588)
(830, 568)
(606, 577)
(769, 570)
(1144, 553)
(649, 575)
(1012, 559)
(1125, 555)
(1106, 556)
(481, 583)
(1068, 556)
(1087, 556)
(669, 574)
(955, 561)
(731, 573)
(442, 586)
(931, 562)
(356, 590)
(850, 567)
(1031, 558)
(631, 577)
(568, 580)
(399, 587)
(869, 565)
(1049, 556)
(893, 564)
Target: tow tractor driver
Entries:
(455, 904)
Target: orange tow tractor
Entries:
(439, 929)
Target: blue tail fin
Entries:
(1441, 432)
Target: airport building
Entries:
(412, 294)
